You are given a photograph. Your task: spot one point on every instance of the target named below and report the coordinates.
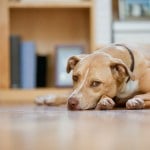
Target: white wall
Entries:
(103, 22)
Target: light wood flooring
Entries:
(31, 127)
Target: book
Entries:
(41, 73)
(28, 65)
(15, 42)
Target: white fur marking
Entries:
(45, 98)
(76, 91)
(129, 88)
(121, 48)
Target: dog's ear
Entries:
(73, 60)
(120, 69)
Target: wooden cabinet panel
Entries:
(4, 45)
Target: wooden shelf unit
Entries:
(22, 96)
(84, 4)
(48, 24)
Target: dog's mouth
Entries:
(78, 108)
(74, 108)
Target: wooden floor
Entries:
(56, 128)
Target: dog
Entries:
(116, 75)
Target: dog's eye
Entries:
(75, 78)
(95, 83)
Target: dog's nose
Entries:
(72, 103)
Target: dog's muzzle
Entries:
(73, 103)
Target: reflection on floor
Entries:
(56, 128)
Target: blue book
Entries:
(28, 65)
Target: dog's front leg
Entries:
(138, 102)
(105, 103)
(52, 99)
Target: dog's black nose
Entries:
(72, 103)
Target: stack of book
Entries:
(27, 69)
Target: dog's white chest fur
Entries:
(130, 88)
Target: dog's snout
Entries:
(72, 103)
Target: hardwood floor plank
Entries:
(41, 127)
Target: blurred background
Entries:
(38, 36)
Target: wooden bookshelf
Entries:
(84, 4)
(4, 45)
(22, 96)
(36, 21)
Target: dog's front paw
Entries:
(135, 103)
(105, 104)
(46, 99)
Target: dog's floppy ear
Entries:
(120, 69)
(73, 60)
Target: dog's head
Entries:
(95, 75)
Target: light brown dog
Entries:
(111, 76)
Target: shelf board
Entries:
(78, 4)
(136, 26)
(20, 96)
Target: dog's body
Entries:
(114, 75)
